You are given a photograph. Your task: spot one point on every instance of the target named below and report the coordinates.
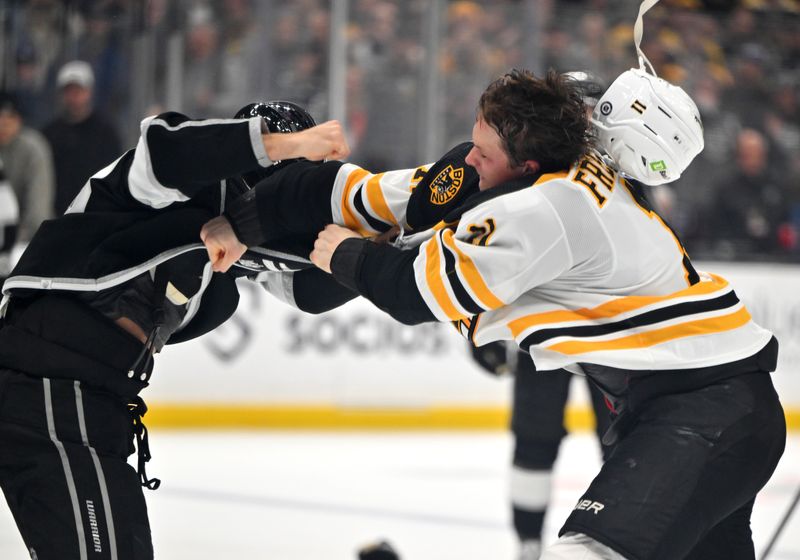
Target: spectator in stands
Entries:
(9, 222)
(782, 120)
(393, 63)
(469, 62)
(241, 54)
(103, 44)
(751, 66)
(750, 207)
(28, 166)
(721, 128)
(202, 77)
(82, 140)
(31, 87)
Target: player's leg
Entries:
(691, 461)
(729, 539)
(538, 427)
(65, 477)
(748, 454)
(746, 465)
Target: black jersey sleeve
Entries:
(176, 159)
(295, 200)
(186, 154)
(315, 291)
(384, 275)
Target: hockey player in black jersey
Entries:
(558, 253)
(102, 288)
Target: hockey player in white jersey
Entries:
(567, 261)
(558, 253)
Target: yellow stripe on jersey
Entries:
(435, 283)
(378, 201)
(350, 220)
(443, 225)
(613, 308)
(650, 338)
(471, 274)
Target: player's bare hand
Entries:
(223, 247)
(327, 242)
(321, 142)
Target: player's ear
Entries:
(531, 166)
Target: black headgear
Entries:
(591, 86)
(279, 116)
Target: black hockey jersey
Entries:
(144, 211)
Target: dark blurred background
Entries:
(405, 77)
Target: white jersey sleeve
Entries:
(372, 203)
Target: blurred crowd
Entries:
(79, 75)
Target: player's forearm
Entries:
(316, 291)
(310, 290)
(295, 200)
(384, 275)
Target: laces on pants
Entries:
(142, 367)
(137, 409)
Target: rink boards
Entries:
(271, 366)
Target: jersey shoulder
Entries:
(444, 186)
(523, 216)
(590, 179)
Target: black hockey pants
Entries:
(66, 432)
(681, 482)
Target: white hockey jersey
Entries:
(574, 268)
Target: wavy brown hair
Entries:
(538, 118)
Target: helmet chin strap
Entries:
(638, 30)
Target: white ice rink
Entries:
(303, 495)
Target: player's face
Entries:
(489, 158)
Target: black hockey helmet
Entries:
(279, 116)
(591, 86)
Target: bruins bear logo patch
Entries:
(446, 184)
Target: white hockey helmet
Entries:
(649, 127)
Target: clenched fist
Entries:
(324, 141)
(327, 242)
(223, 247)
